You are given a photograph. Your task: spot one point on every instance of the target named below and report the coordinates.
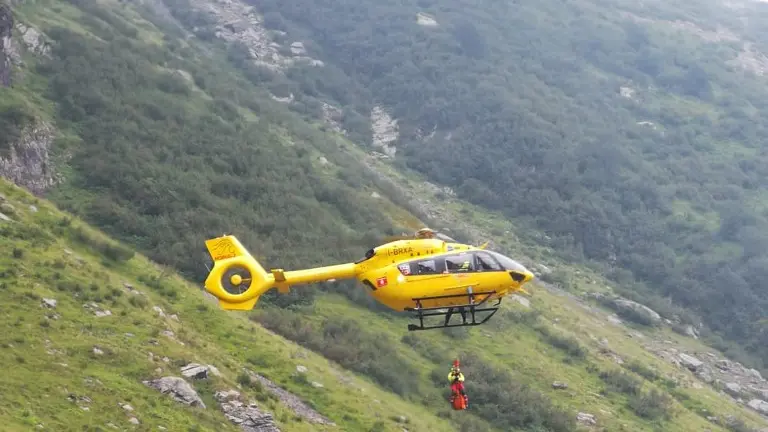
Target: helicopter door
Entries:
(474, 268)
(423, 269)
(460, 263)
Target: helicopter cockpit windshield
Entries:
(508, 263)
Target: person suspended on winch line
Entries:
(457, 382)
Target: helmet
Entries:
(456, 364)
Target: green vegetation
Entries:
(165, 140)
(160, 164)
(658, 187)
(60, 381)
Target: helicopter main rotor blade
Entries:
(389, 239)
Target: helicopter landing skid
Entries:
(470, 308)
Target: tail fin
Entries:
(236, 279)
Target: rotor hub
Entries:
(236, 280)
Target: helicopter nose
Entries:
(521, 276)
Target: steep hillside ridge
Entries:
(165, 140)
(156, 137)
(110, 340)
(621, 332)
(6, 25)
(629, 134)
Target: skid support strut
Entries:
(476, 302)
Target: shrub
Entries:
(109, 250)
(559, 278)
(343, 341)
(527, 317)
(244, 379)
(737, 425)
(458, 333)
(635, 316)
(621, 382)
(643, 370)
(569, 345)
(425, 347)
(653, 405)
(508, 404)
(138, 301)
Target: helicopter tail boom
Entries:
(237, 280)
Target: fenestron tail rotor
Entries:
(236, 279)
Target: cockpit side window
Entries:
(459, 263)
(425, 267)
(485, 262)
(508, 263)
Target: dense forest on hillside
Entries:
(661, 188)
(164, 150)
(163, 140)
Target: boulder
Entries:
(586, 418)
(522, 300)
(756, 375)
(732, 388)
(690, 362)
(758, 405)
(194, 370)
(178, 389)
(248, 416)
(724, 364)
(638, 309)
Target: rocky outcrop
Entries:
(247, 416)
(426, 20)
(238, 22)
(28, 162)
(758, 405)
(632, 307)
(10, 55)
(690, 362)
(333, 117)
(178, 389)
(586, 419)
(627, 92)
(198, 371)
(385, 131)
(521, 300)
(33, 40)
(6, 25)
(293, 402)
(729, 376)
(628, 309)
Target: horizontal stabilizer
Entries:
(242, 306)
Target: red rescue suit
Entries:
(457, 386)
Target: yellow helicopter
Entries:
(423, 274)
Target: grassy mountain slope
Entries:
(511, 362)
(164, 140)
(629, 133)
(57, 375)
(565, 338)
(161, 142)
